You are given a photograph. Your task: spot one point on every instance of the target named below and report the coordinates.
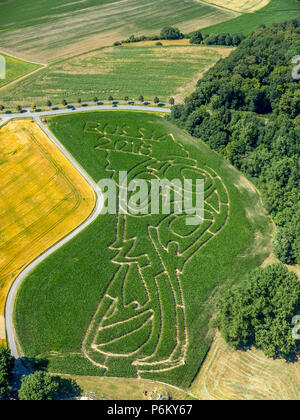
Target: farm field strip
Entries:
(228, 374)
(135, 316)
(118, 71)
(108, 388)
(15, 69)
(42, 199)
(274, 12)
(241, 6)
(48, 37)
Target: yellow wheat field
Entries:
(244, 6)
(42, 199)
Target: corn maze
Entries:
(141, 319)
(132, 295)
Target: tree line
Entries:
(170, 33)
(259, 312)
(230, 40)
(247, 108)
(6, 373)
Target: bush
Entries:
(6, 368)
(134, 38)
(196, 38)
(177, 111)
(284, 248)
(194, 120)
(260, 312)
(223, 39)
(40, 386)
(171, 33)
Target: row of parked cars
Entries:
(73, 107)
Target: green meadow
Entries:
(133, 294)
(16, 68)
(150, 71)
(276, 11)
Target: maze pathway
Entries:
(141, 318)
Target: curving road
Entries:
(4, 120)
(27, 113)
(97, 210)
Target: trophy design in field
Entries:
(142, 316)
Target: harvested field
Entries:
(104, 388)
(228, 374)
(42, 199)
(42, 33)
(242, 6)
(274, 12)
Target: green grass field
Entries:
(42, 33)
(132, 295)
(276, 11)
(118, 71)
(15, 69)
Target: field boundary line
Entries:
(240, 12)
(24, 76)
(217, 6)
(21, 59)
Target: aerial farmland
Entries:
(149, 201)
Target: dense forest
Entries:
(247, 108)
(260, 311)
(7, 363)
(216, 39)
(170, 33)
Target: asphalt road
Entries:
(28, 113)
